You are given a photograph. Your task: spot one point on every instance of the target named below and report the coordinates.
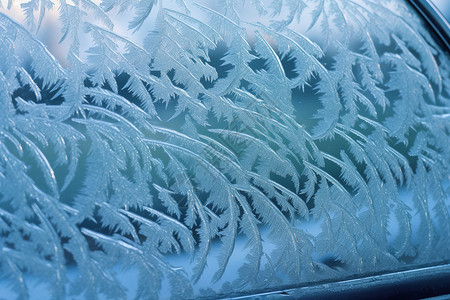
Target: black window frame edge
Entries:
(434, 19)
(426, 282)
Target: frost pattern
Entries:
(205, 123)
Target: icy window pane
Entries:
(178, 149)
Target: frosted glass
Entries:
(180, 149)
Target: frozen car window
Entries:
(180, 149)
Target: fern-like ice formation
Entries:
(205, 126)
